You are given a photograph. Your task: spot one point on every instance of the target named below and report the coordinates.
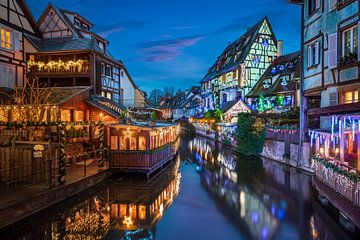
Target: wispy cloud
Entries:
(111, 28)
(165, 50)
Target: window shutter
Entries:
(333, 99)
(317, 4)
(317, 53)
(358, 41)
(332, 53)
(17, 46)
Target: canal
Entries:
(207, 192)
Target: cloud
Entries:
(111, 28)
(165, 50)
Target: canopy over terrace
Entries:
(341, 142)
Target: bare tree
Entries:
(28, 103)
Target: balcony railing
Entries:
(59, 67)
(342, 179)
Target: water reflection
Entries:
(267, 200)
(237, 196)
(125, 208)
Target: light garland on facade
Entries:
(56, 65)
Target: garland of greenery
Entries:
(282, 127)
(101, 138)
(62, 156)
(352, 176)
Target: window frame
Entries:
(345, 30)
(4, 43)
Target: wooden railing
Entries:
(142, 160)
(283, 136)
(73, 70)
(332, 180)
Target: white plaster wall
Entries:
(129, 90)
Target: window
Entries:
(313, 54)
(114, 142)
(314, 5)
(108, 71)
(7, 75)
(351, 96)
(109, 95)
(350, 41)
(79, 116)
(6, 38)
(102, 69)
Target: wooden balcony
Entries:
(81, 69)
(338, 109)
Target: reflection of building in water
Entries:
(126, 208)
(137, 206)
(262, 195)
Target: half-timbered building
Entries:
(17, 30)
(278, 87)
(71, 54)
(240, 66)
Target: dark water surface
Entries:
(206, 193)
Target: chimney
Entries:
(280, 47)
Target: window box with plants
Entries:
(74, 135)
(348, 59)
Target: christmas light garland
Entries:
(58, 65)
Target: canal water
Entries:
(207, 192)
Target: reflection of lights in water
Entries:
(281, 214)
(314, 232)
(273, 209)
(255, 217)
(127, 221)
(242, 204)
(264, 233)
(198, 168)
(161, 209)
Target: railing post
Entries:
(85, 166)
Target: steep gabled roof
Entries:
(62, 16)
(236, 52)
(283, 65)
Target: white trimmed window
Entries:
(6, 37)
(108, 71)
(350, 41)
(313, 54)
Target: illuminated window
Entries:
(79, 116)
(109, 95)
(133, 145)
(65, 115)
(142, 212)
(114, 142)
(6, 38)
(123, 208)
(142, 143)
(132, 210)
(351, 97)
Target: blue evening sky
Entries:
(174, 42)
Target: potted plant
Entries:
(153, 119)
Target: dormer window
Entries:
(267, 83)
(284, 81)
(84, 26)
(76, 22)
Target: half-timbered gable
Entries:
(54, 24)
(16, 25)
(240, 66)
